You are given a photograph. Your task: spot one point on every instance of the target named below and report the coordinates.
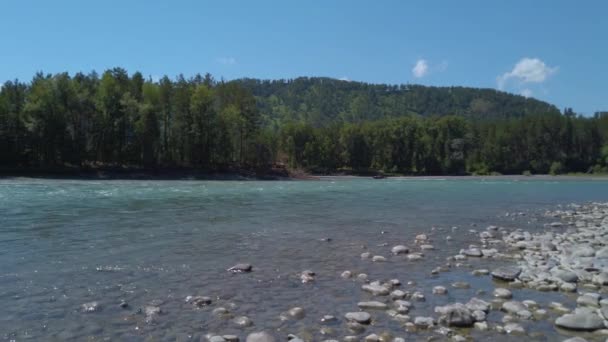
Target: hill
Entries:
(321, 101)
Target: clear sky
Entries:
(550, 49)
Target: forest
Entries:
(318, 125)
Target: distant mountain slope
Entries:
(321, 101)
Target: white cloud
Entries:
(227, 60)
(344, 78)
(526, 92)
(527, 70)
(421, 68)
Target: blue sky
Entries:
(552, 50)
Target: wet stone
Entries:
(241, 268)
(243, 321)
(360, 317)
(514, 328)
(376, 289)
(260, 337)
(328, 319)
(472, 252)
(503, 293)
(374, 305)
(461, 285)
(506, 273)
(90, 307)
(589, 299)
(439, 290)
(586, 321)
(198, 301)
(378, 258)
(424, 322)
(297, 313)
(400, 249)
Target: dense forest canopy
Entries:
(321, 101)
(315, 124)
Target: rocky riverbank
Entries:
(570, 256)
(550, 279)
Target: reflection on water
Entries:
(64, 243)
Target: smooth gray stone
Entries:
(580, 321)
(361, 317)
(261, 336)
(507, 273)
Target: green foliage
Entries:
(527, 173)
(314, 124)
(323, 101)
(556, 168)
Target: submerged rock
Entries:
(198, 301)
(241, 268)
(307, 276)
(243, 321)
(439, 290)
(90, 307)
(374, 305)
(472, 252)
(376, 289)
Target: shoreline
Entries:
(245, 174)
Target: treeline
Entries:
(537, 143)
(122, 120)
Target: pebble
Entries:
(418, 296)
(472, 252)
(243, 321)
(480, 272)
(397, 294)
(198, 301)
(439, 290)
(328, 318)
(400, 249)
(424, 322)
(360, 317)
(297, 313)
(482, 326)
(589, 299)
(376, 289)
(378, 258)
(414, 257)
(260, 337)
(374, 305)
(513, 307)
(514, 328)
(461, 285)
(90, 307)
(506, 273)
(307, 276)
(503, 293)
